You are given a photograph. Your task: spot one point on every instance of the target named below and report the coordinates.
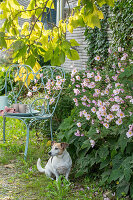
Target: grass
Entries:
(21, 179)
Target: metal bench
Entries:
(44, 84)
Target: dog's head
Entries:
(58, 148)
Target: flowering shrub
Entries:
(100, 128)
(101, 98)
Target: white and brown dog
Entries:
(59, 163)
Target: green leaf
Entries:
(86, 144)
(74, 42)
(72, 54)
(103, 152)
(131, 190)
(62, 57)
(115, 174)
(104, 163)
(31, 5)
(127, 173)
(19, 44)
(66, 45)
(31, 61)
(2, 42)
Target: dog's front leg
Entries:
(56, 174)
(67, 174)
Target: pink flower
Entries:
(115, 107)
(75, 100)
(34, 88)
(84, 98)
(29, 94)
(119, 65)
(93, 109)
(106, 125)
(129, 134)
(51, 101)
(73, 80)
(58, 77)
(88, 117)
(111, 99)
(109, 50)
(91, 85)
(74, 71)
(84, 112)
(78, 86)
(78, 124)
(84, 104)
(117, 91)
(120, 114)
(46, 96)
(123, 58)
(110, 117)
(41, 75)
(97, 58)
(119, 122)
(82, 135)
(35, 81)
(119, 49)
(99, 103)
(130, 127)
(106, 91)
(97, 91)
(81, 113)
(98, 78)
(115, 77)
(76, 91)
(78, 78)
(122, 70)
(77, 134)
(90, 75)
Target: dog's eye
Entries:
(56, 148)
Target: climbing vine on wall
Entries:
(97, 40)
(121, 24)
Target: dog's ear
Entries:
(64, 145)
(53, 142)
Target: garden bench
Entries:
(43, 87)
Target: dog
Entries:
(60, 162)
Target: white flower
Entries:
(3, 69)
(29, 94)
(92, 143)
(34, 88)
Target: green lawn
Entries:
(21, 180)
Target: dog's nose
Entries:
(49, 153)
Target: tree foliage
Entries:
(32, 40)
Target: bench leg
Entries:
(4, 128)
(51, 129)
(27, 142)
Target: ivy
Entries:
(120, 23)
(97, 39)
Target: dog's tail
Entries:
(40, 169)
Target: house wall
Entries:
(78, 35)
(25, 4)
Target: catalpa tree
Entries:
(32, 40)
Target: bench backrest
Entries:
(43, 84)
